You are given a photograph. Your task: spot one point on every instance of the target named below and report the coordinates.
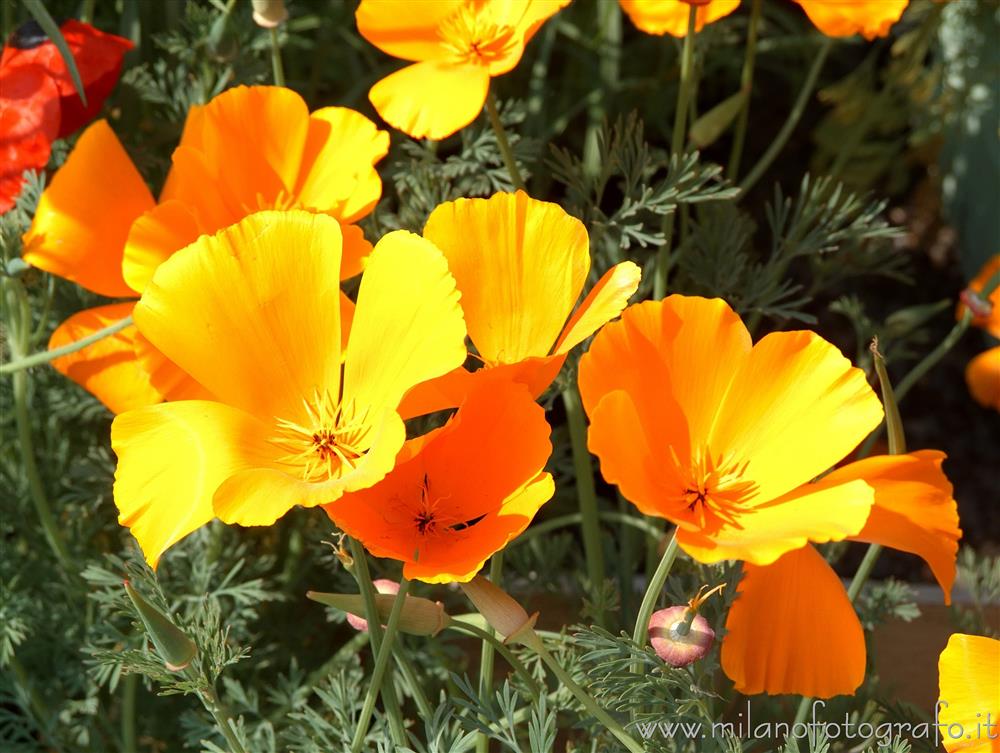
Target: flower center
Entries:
(473, 35)
(431, 517)
(331, 442)
(713, 490)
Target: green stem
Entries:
(489, 636)
(36, 706)
(130, 687)
(26, 362)
(277, 67)
(505, 151)
(592, 547)
(486, 653)
(609, 38)
(746, 84)
(653, 590)
(798, 108)
(662, 270)
(381, 664)
(409, 673)
(222, 718)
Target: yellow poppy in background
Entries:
(671, 16)
(845, 18)
(253, 314)
(250, 148)
(520, 265)
(969, 701)
(697, 424)
(456, 47)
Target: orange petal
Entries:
(914, 510)
(795, 408)
(872, 18)
(792, 630)
(193, 181)
(356, 251)
(167, 378)
(603, 303)
(154, 237)
(253, 312)
(433, 99)
(81, 224)
(171, 459)
(970, 694)
(982, 375)
(393, 27)
(671, 16)
(762, 534)
(108, 369)
(520, 265)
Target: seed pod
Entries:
(676, 640)
(172, 644)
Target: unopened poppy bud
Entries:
(418, 617)
(383, 586)
(172, 644)
(269, 13)
(679, 635)
(503, 614)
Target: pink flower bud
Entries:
(677, 641)
(383, 586)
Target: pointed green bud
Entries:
(893, 421)
(172, 644)
(419, 616)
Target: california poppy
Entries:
(671, 16)
(456, 47)
(250, 148)
(460, 493)
(252, 313)
(969, 705)
(38, 101)
(521, 265)
(696, 424)
(983, 372)
(845, 18)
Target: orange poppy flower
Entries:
(521, 265)
(969, 705)
(671, 16)
(696, 424)
(38, 101)
(460, 493)
(252, 313)
(250, 148)
(845, 18)
(456, 47)
(983, 372)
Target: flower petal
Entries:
(671, 16)
(171, 459)
(356, 251)
(154, 237)
(109, 368)
(253, 312)
(433, 99)
(520, 265)
(81, 225)
(167, 378)
(914, 510)
(393, 27)
(408, 325)
(872, 18)
(29, 122)
(982, 375)
(970, 694)
(792, 630)
(603, 303)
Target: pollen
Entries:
(473, 36)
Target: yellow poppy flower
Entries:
(671, 16)
(252, 314)
(456, 47)
(969, 704)
(845, 18)
(250, 148)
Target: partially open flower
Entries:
(680, 635)
(383, 586)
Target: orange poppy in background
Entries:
(969, 705)
(983, 372)
(250, 148)
(459, 494)
(697, 424)
(456, 47)
(38, 101)
(253, 314)
(671, 16)
(845, 18)
(520, 265)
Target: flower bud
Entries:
(269, 13)
(173, 646)
(503, 614)
(419, 616)
(383, 586)
(670, 641)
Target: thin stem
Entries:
(746, 85)
(653, 590)
(505, 151)
(130, 686)
(277, 67)
(586, 493)
(662, 270)
(26, 362)
(381, 664)
(222, 719)
(486, 653)
(409, 673)
(805, 94)
(490, 637)
(609, 37)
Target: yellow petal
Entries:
(253, 312)
(167, 378)
(969, 675)
(872, 18)
(109, 368)
(154, 237)
(81, 223)
(408, 325)
(393, 27)
(792, 630)
(520, 265)
(602, 304)
(671, 16)
(171, 459)
(433, 99)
